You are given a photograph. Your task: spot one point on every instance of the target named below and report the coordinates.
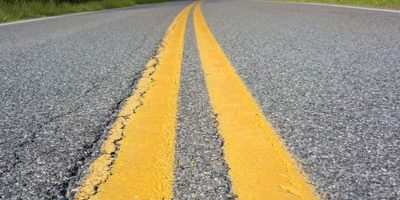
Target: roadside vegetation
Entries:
(11, 10)
(391, 4)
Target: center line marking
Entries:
(260, 166)
(143, 136)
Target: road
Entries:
(325, 78)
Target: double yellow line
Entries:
(137, 158)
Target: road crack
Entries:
(99, 170)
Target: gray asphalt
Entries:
(328, 79)
(200, 169)
(62, 81)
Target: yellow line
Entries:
(144, 135)
(260, 166)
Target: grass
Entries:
(23, 9)
(391, 4)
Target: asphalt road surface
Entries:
(327, 78)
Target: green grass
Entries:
(24, 9)
(391, 4)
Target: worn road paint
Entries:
(143, 136)
(260, 166)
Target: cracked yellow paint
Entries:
(143, 136)
(260, 166)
